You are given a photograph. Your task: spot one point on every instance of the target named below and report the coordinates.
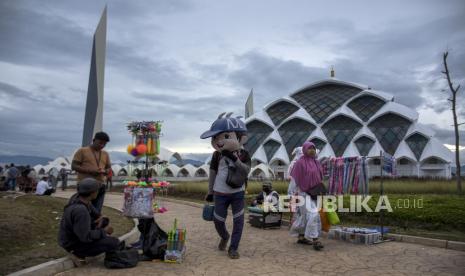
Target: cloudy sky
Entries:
(184, 62)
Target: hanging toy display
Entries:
(146, 138)
(140, 200)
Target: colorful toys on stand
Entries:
(176, 248)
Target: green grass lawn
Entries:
(29, 230)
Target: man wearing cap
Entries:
(83, 231)
(267, 195)
(94, 162)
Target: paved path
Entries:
(273, 252)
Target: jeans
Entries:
(107, 244)
(11, 183)
(98, 202)
(222, 203)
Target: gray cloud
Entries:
(12, 91)
(271, 77)
(447, 134)
(29, 37)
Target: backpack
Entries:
(236, 177)
(121, 258)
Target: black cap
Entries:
(102, 136)
(87, 186)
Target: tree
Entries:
(453, 101)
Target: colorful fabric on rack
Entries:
(347, 175)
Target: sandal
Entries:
(317, 245)
(77, 261)
(305, 241)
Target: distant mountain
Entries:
(24, 160)
(120, 157)
(194, 163)
(196, 156)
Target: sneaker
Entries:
(136, 245)
(233, 254)
(222, 245)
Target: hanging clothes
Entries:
(347, 175)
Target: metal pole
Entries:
(146, 168)
(381, 192)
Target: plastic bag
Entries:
(121, 259)
(324, 221)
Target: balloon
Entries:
(141, 148)
(134, 152)
(130, 148)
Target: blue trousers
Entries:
(98, 202)
(222, 203)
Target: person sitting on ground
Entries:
(267, 195)
(83, 231)
(43, 188)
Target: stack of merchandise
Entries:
(355, 235)
(176, 248)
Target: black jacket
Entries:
(77, 224)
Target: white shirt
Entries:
(42, 186)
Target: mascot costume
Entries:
(229, 168)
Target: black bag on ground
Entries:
(155, 239)
(121, 258)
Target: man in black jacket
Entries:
(83, 231)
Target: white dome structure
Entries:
(187, 170)
(344, 119)
(261, 171)
(202, 171)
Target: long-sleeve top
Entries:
(42, 186)
(77, 224)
